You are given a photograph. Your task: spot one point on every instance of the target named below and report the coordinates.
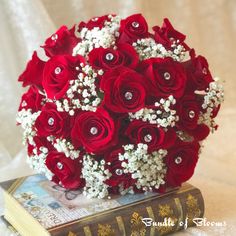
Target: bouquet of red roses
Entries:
(116, 108)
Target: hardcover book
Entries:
(36, 206)
(10, 228)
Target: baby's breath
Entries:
(148, 169)
(148, 48)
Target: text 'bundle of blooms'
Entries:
(116, 108)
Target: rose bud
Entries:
(132, 28)
(60, 43)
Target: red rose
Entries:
(32, 99)
(181, 161)
(118, 178)
(106, 58)
(52, 122)
(95, 131)
(94, 22)
(67, 172)
(166, 34)
(124, 90)
(155, 137)
(166, 76)
(198, 72)
(132, 28)
(188, 111)
(200, 133)
(58, 71)
(60, 43)
(33, 73)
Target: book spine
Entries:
(10, 228)
(167, 215)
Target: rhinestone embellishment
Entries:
(51, 121)
(59, 165)
(54, 37)
(178, 160)
(109, 56)
(93, 130)
(148, 138)
(119, 172)
(24, 104)
(204, 70)
(191, 114)
(128, 95)
(135, 24)
(167, 75)
(57, 70)
(95, 19)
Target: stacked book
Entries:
(38, 207)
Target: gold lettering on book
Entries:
(71, 234)
(193, 209)
(166, 214)
(87, 231)
(138, 228)
(151, 215)
(180, 212)
(121, 225)
(105, 230)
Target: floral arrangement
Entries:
(116, 108)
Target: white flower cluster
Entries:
(148, 48)
(63, 145)
(148, 169)
(212, 99)
(95, 174)
(27, 119)
(97, 37)
(82, 93)
(37, 161)
(163, 115)
(214, 96)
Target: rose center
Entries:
(57, 70)
(51, 121)
(178, 160)
(167, 76)
(109, 56)
(128, 95)
(148, 138)
(93, 130)
(191, 114)
(59, 165)
(135, 24)
(119, 172)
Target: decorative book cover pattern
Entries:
(69, 213)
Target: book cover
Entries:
(57, 211)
